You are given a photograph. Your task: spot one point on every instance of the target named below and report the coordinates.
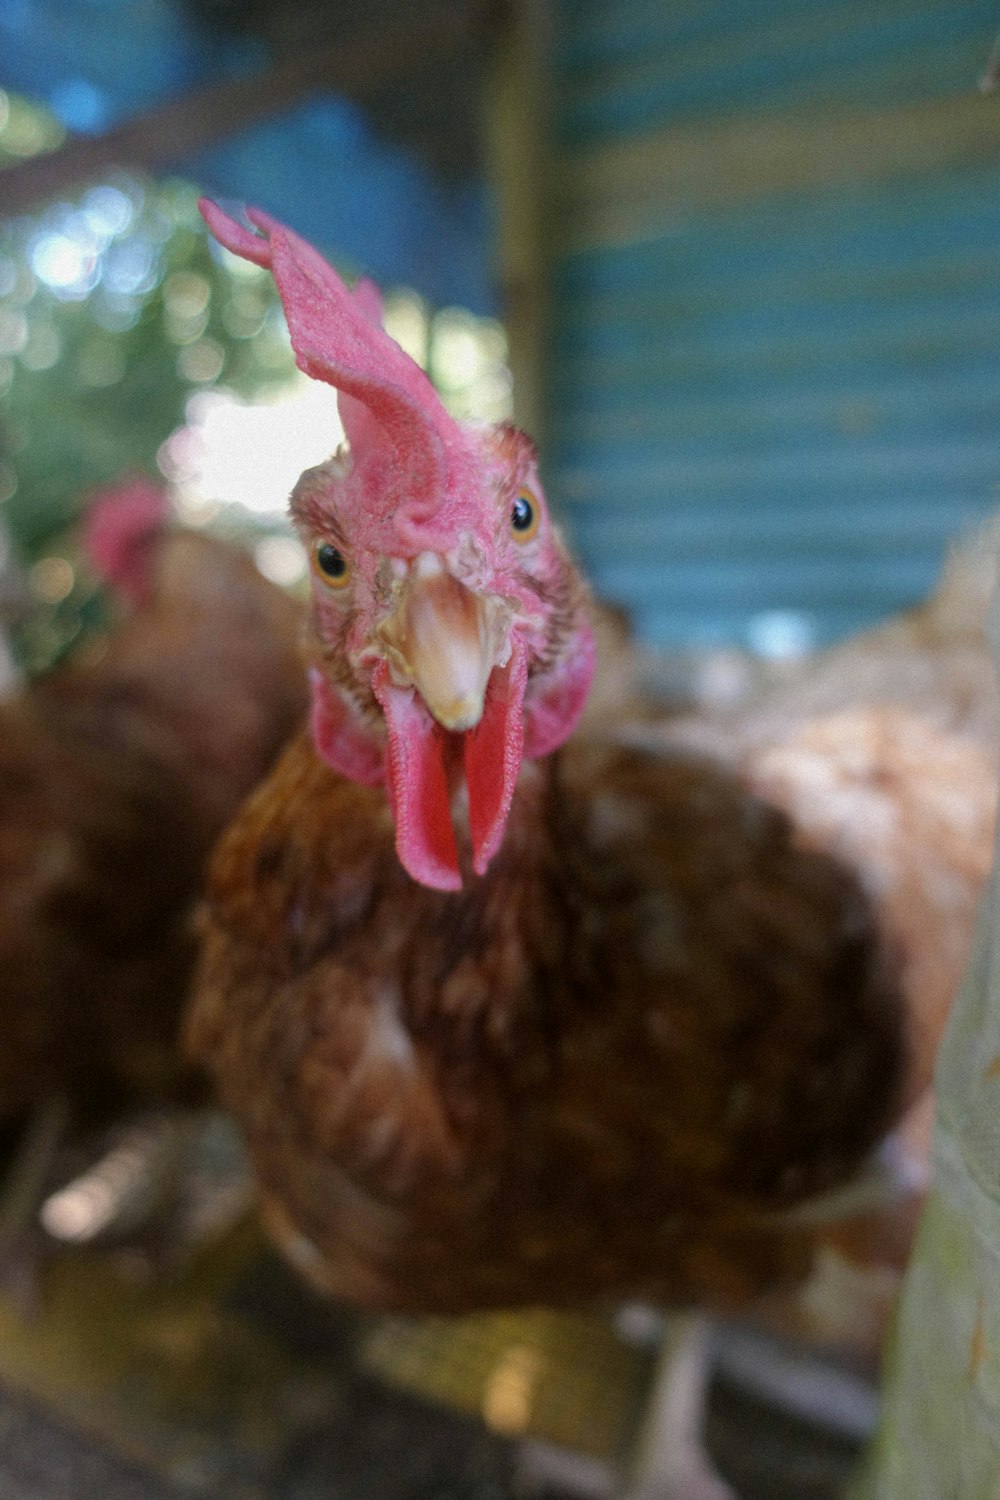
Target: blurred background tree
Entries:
(113, 312)
(130, 343)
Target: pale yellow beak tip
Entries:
(463, 713)
(445, 639)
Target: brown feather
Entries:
(599, 1070)
(116, 775)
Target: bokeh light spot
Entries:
(282, 559)
(202, 362)
(66, 266)
(51, 579)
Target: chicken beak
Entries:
(445, 639)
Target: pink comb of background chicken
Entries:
(119, 524)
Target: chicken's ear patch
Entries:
(559, 697)
(342, 742)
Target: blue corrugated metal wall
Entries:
(775, 374)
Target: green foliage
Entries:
(114, 310)
(99, 366)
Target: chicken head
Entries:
(450, 633)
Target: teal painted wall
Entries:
(774, 372)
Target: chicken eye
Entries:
(524, 516)
(332, 565)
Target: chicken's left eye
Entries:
(524, 515)
(332, 565)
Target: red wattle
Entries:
(493, 753)
(418, 787)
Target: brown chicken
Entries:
(505, 1022)
(117, 773)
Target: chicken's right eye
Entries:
(524, 515)
(332, 565)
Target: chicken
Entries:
(510, 1014)
(884, 751)
(117, 772)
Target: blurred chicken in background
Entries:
(117, 772)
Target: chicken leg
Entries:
(672, 1463)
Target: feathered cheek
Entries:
(332, 621)
(330, 605)
(530, 626)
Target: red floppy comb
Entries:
(389, 407)
(385, 398)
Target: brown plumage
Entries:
(884, 751)
(602, 1069)
(116, 775)
(507, 1022)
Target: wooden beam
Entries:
(518, 142)
(164, 136)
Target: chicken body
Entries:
(116, 775)
(604, 1069)
(884, 752)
